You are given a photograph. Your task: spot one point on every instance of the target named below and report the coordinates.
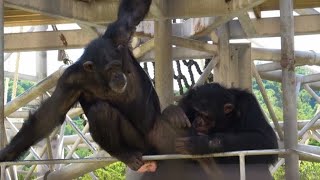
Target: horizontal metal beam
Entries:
(101, 12)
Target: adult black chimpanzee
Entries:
(221, 120)
(115, 93)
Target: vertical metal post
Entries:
(1, 76)
(2, 128)
(242, 167)
(289, 88)
(163, 62)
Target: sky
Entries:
(27, 59)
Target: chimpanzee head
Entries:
(106, 67)
(106, 62)
(212, 107)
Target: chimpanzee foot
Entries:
(150, 166)
(176, 117)
(132, 160)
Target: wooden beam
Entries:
(21, 76)
(257, 12)
(204, 8)
(33, 92)
(163, 63)
(242, 53)
(195, 44)
(225, 71)
(309, 11)
(42, 41)
(297, 4)
(270, 27)
(178, 53)
(101, 12)
(247, 25)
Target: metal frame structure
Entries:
(232, 65)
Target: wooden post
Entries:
(289, 88)
(241, 57)
(163, 62)
(225, 69)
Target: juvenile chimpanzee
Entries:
(113, 90)
(221, 120)
(232, 120)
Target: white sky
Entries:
(27, 59)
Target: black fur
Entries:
(119, 121)
(245, 128)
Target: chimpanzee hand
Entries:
(198, 145)
(176, 117)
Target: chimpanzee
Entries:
(231, 119)
(221, 120)
(113, 90)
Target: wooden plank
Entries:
(102, 12)
(297, 4)
(38, 41)
(270, 27)
(163, 63)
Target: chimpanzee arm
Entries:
(222, 142)
(130, 14)
(176, 117)
(41, 123)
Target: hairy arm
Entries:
(41, 123)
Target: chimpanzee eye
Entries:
(113, 65)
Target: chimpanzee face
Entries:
(105, 68)
(213, 108)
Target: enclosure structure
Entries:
(162, 41)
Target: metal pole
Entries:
(1, 76)
(289, 89)
(2, 128)
(242, 167)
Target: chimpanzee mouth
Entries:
(118, 82)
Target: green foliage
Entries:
(22, 86)
(307, 171)
(115, 171)
(83, 152)
(69, 129)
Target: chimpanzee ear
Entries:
(88, 66)
(228, 108)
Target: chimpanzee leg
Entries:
(114, 133)
(42, 122)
